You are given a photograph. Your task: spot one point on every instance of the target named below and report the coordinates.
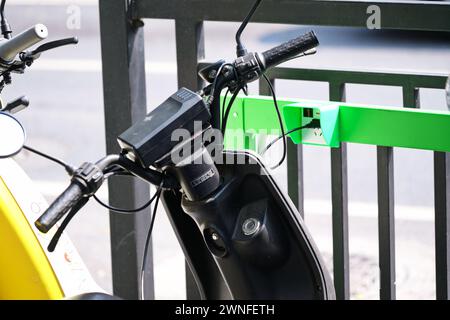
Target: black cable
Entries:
(228, 109)
(2, 9)
(224, 101)
(240, 48)
(70, 170)
(275, 103)
(121, 210)
(4, 25)
(117, 173)
(114, 171)
(214, 83)
(313, 124)
(219, 71)
(147, 243)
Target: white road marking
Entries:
(93, 65)
(312, 206)
(370, 210)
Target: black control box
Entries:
(151, 138)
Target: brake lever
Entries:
(31, 55)
(54, 44)
(16, 105)
(54, 241)
(245, 89)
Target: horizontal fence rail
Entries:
(405, 15)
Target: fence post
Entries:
(339, 197)
(123, 63)
(386, 222)
(190, 49)
(442, 223)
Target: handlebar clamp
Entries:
(90, 177)
(249, 67)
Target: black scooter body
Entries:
(252, 242)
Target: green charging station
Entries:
(301, 114)
(342, 122)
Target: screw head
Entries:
(215, 236)
(212, 74)
(251, 226)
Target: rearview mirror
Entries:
(12, 135)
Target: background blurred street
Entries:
(65, 119)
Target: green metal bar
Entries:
(381, 126)
(392, 127)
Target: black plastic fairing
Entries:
(273, 257)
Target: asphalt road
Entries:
(65, 119)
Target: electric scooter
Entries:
(241, 235)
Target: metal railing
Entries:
(125, 102)
(410, 84)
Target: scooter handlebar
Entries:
(9, 48)
(290, 49)
(58, 209)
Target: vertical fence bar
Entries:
(386, 204)
(386, 215)
(442, 219)
(386, 225)
(442, 223)
(386, 207)
(410, 97)
(190, 49)
(294, 161)
(339, 197)
(295, 175)
(122, 43)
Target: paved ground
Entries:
(65, 119)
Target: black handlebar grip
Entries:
(69, 198)
(290, 49)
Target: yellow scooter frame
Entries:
(27, 270)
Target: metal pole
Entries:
(123, 62)
(339, 197)
(190, 49)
